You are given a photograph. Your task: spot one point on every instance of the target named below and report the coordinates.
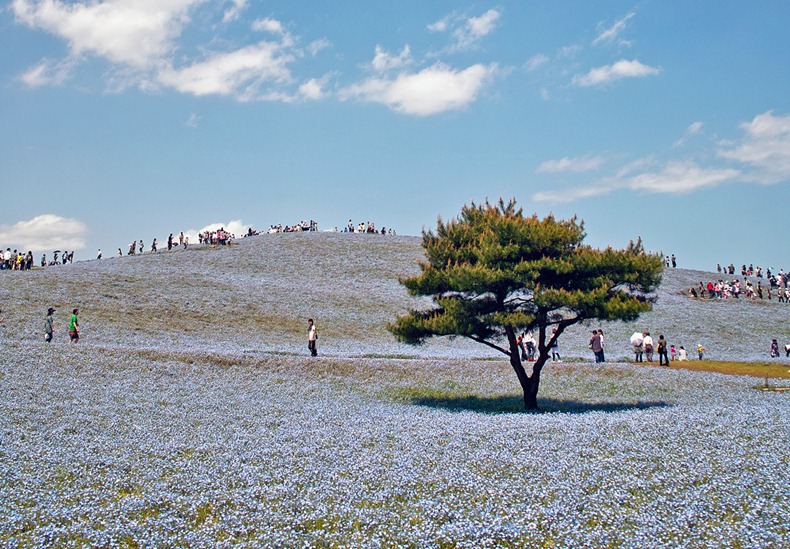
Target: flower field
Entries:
(190, 416)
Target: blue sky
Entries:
(130, 119)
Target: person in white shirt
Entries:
(647, 345)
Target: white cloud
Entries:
(575, 165)
(235, 11)
(433, 90)
(680, 178)
(693, 129)
(384, 61)
(313, 89)
(610, 73)
(47, 73)
(317, 45)
(610, 34)
(572, 194)
(130, 32)
(268, 25)
(536, 61)
(238, 73)
(467, 31)
(139, 38)
(673, 177)
(44, 233)
(765, 150)
(478, 27)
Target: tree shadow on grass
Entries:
(513, 404)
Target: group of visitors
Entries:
(73, 326)
(302, 226)
(219, 237)
(645, 346)
(778, 285)
(745, 271)
(367, 227)
(16, 260)
(20, 261)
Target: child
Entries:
(774, 348)
(700, 350)
(672, 352)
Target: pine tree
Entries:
(493, 272)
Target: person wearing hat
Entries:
(49, 326)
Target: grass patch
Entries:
(755, 369)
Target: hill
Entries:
(191, 416)
(256, 296)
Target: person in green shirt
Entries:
(74, 327)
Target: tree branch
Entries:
(492, 345)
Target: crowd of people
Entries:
(367, 227)
(777, 285)
(302, 226)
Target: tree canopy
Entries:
(494, 273)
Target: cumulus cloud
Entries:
(384, 61)
(567, 164)
(433, 90)
(313, 89)
(467, 31)
(610, 73)
(610, 34)
(139, 39)
(44, 233)
(765, 149)
(268, 25)
(130, 32)
(240, 72)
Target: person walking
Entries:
(49, 325)
(312, 337)
(74, 327)
(662, 351)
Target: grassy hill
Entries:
(190, 416)
(257, 295)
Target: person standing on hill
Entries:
(49, 325)
(74, 327)
(774, 348)
(647, 344)
(662, 351)
(312, 338)
(596, 346)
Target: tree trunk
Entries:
(533, 382)
(529, 384)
